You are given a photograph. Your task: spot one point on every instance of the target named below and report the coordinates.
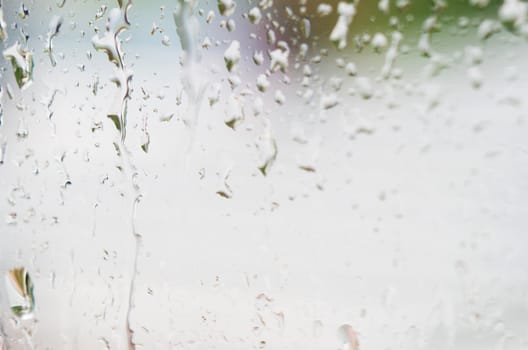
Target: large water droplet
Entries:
(20, 292)
(22, 62)
(232, 55)
(349, 337)
(254, 15)
(226, 7)
(339, 33)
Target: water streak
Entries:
(54, 29)
(110, 43)
(138, 238)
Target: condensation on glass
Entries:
(259, 174)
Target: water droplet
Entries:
(232, 55)
(210, 17)
(145, 141)
(262, 82)
(23, 11)
(206, 43)
(479, 3)
(339, 34)
(513, 13)
(473, 55)
(271, 37)
(268, 151)
(349, 337)
(306, 27)
(100, 12)
(226, 191)
(234, 112)
(22, 131)
(116, 120)
(214, 94)
(279, 97)
(20, 292)
(364, 86)
(379, 41)
(351, 68)
(254, 15)
(279, 57)
(22, 62)
(324, 9)
(3, 26)
(258, 57)
(264, 4)
(475, 77)
(487, 28)
(109, 42)
(54, 28)
(391, 55)
(230, 25)
(383, 6)
(226, 7)
(3, 147)
(258, 106)
(329, 101)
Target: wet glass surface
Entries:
(264, 174)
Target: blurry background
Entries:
(350, 175)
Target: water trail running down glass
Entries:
(54, 29)
(187, 29)
(138, 238)
(110, 43)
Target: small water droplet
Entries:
(23, 11)
(351, 68)
(324, 9)
(230, 25)
(279, 97)
(306, 28)
(379, 41)
(269, 150)
(262, 82)
(258, 58)
(475, 77)
(210, 17)
(364, 87)
(329, 101)
(487, 28)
